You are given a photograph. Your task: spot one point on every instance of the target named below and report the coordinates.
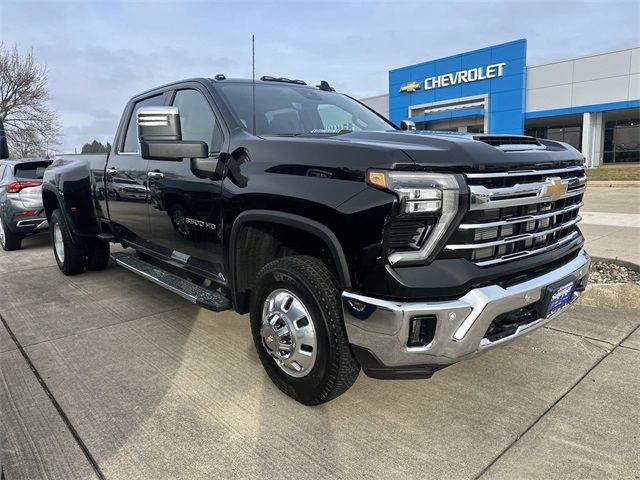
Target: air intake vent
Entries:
(510, 142)
(407, 234)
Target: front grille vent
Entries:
(518, 214)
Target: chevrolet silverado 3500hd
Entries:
(352, 243)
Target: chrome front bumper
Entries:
(381, 327)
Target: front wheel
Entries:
(297, 327)
(69, 255)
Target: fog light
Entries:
(422, 330)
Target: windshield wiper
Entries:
(325, 133)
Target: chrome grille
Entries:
(513, 215)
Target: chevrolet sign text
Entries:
(465, 76)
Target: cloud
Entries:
(100, 53)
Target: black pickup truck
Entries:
(352, 243)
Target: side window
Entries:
(197, 119)
(131, 139)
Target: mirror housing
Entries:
(407, 125)
(159, 123)
(4, 146)
(211, 168)
(160, 136)
(173, 150)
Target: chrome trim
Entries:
(514, 238)
(523, 173)
(526, 253)
(525, 218)
(39, 223)
(483, 198)
(384, 329)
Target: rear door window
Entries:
(31, 170)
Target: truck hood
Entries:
(470, 153)
(416, 150)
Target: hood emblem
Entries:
(554, 188)
(410, 87)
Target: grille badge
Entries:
(554, 188)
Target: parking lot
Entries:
(104, 375)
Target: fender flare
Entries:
(296, 221)
(75, 238)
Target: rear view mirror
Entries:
(160, 136)
(407, 125)
(4, 147)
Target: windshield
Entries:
(290, 110)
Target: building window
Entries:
(622, 140)
(571, 134)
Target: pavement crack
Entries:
(556, 402)
(56, 405)
(591, 340)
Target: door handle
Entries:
(156, 175)
(112, 171)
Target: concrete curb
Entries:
(613, 183)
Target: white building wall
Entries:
(604, 78)
(379, 103)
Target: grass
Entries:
(615, 172)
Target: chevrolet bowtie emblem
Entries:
(554, 188)
(269, 339)
(410, 87)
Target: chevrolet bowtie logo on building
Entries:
(410, 87)
(554, 188)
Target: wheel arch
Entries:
(272, 218)
(50, 202)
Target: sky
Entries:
(99, 53)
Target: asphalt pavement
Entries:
(104, 375)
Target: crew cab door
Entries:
(126, 181)
(184, 210)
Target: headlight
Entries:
(421, 194)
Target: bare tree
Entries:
(31, 126)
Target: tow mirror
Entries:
(407, 125)
(160, 136)
(4, 147)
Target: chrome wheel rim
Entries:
(58, 242)
(2, 237)
(288, 334)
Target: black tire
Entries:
(96, 255)
(335, 369)
(9, 240)
(74, 253)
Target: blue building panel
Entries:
(496, 73)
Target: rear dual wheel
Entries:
(72, 253)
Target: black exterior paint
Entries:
(316, 184)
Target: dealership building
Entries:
(591, 102)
